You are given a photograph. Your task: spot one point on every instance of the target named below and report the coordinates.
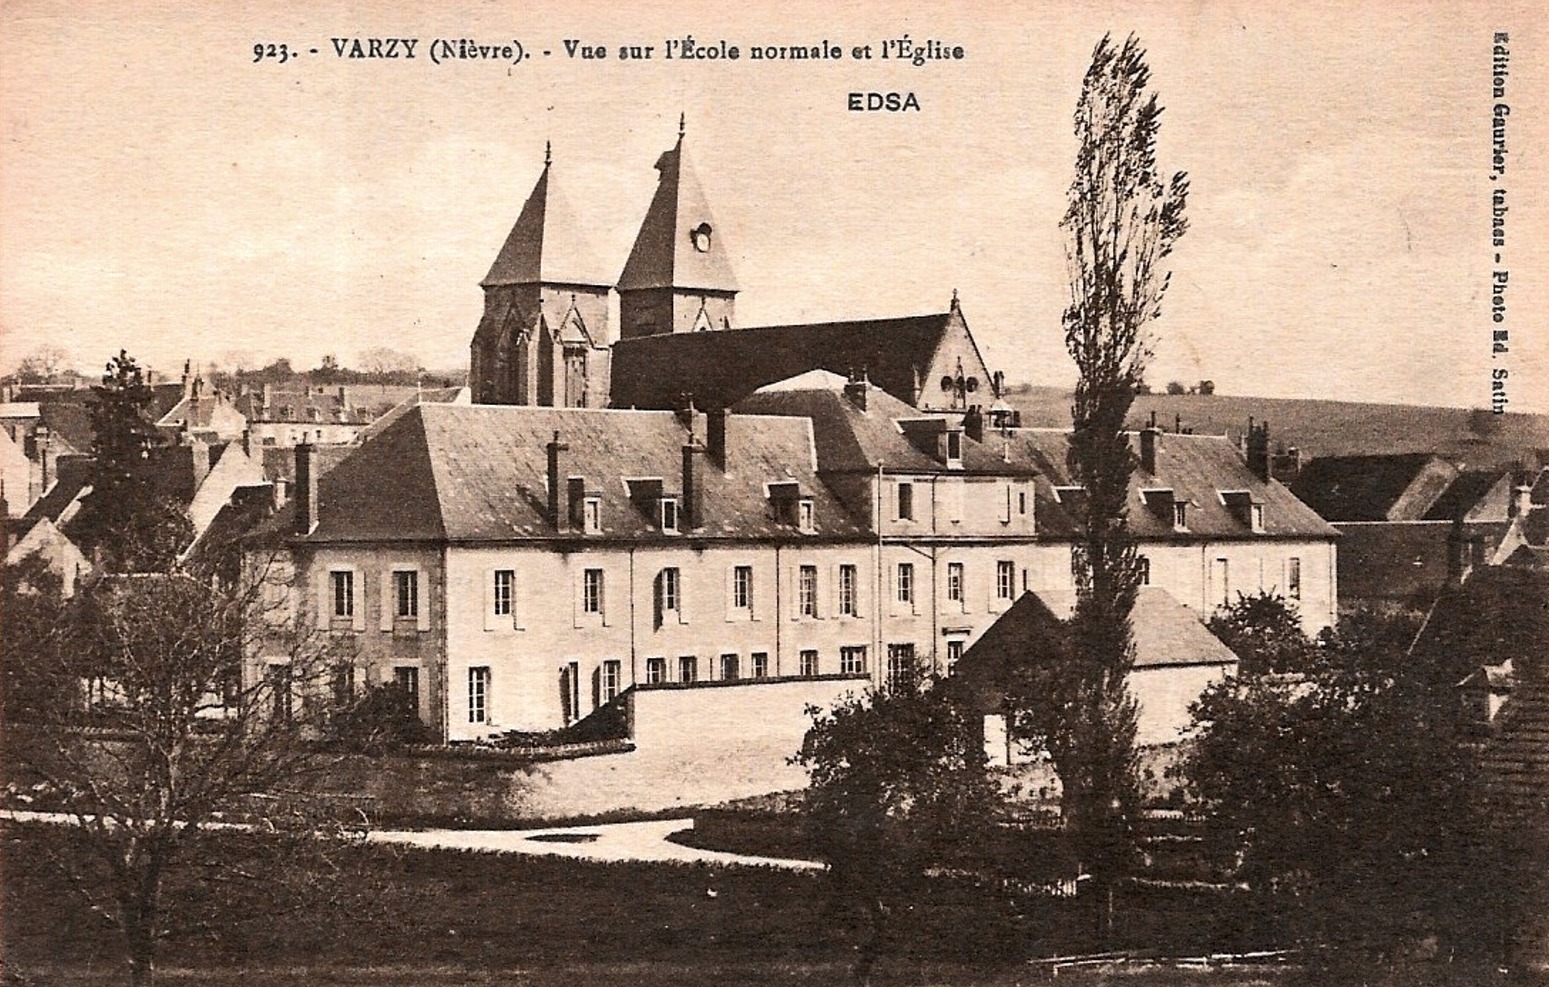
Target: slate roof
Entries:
(1402, 560)
(723, 367)
(72, 476)
(1499, 612)
(1167, 635)
(664, 255)
(850, 440)
(1369, 488)
(1463, 494)
(545, 246)
(71, 422)
(1197, 468)
(479, 473)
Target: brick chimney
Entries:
(306, 488)
(715, 436)
(1257, 450)
(1521, 499)
(691, 519)
(855, 390)
(1150, 441)
(555, 447)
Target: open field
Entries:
(1473, 437)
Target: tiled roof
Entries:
(1196, 468)
(1166, 633)
(664, 254)
(71, 422)
(546, 244)
(850, 440)
(1371, 488)
(723, 367)
(1402, 560)
(73, 474)
(1499, 612)
(480, 473)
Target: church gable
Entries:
(955, 377)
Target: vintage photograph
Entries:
(931, 494)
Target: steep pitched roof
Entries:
(850, 440)
(450, 472)
(721, 368)
(72, 478)
(546, 245)
(665, 254)
(1198, 469)
(1397, 487)
(1464, 493)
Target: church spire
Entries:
(546, 245)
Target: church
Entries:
(546, 338)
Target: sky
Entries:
(162, 192)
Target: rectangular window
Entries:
(900, 667)
(808, 663)
(670, 585)
(760, 661)
(807, 590)
(670, 515)
(505, 592)
(954, 448)
(730, 668)
(905, 500)
(1180, 514)
(954, 653)
(1222, 582)
(343, 594)
(591, 514)
(804, 515)
(478, 694)
(406, 591)
(1144, 565)
(852, 660)
(1005, 579)
(688, 669)
(611, 680)
(591, 591)
(1022, 502)
(281, 690)
(1293, 579)
(849, 604)
(407, 678)
(955, 582)
(1258, 517)
(906, 582)
(655, 671)
(742, 587)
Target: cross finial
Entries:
(548, 154)
(682, 124)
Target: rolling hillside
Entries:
(1471, 438)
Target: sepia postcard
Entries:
(613, 399)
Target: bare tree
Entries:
(382, 362)
(43, 365)
(177, 725)
(1121, 224)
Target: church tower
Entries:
(545, 335)
(678, 277)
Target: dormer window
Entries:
(591, 514)
(1245, 508)
(669, 515)
(954, 449)
(1258, 517)
(804, 514)
(1180, 515)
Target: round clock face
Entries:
(700, 237)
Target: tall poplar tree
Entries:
(1122, 222)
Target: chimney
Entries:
(555, 447)
(1288, 465)
(690, 492)
(1258, 450)
(1521, 501)
(1150, 441)
(306, 489)
(855, 389)
(973, 424)
(1460, 556)
(715, 436)
(575, 497)
(281, 488)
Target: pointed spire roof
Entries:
(679, 244)
(546, 246)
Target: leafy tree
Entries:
(1348, 797)
(123, 518)
(1121, 224)
(1175, 387)
(385, 717)
(33, 605)
(1206, 387)
(1265, 633)
(176, 731)
(898, 788)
